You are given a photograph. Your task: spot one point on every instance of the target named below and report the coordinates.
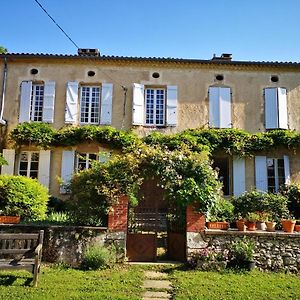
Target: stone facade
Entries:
(274, 251)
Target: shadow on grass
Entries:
(7, 280)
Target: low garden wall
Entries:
(274, 251)
(66, 243)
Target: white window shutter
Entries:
(67, 168)
(225, 107)
(25, 99)
(106, 103)
(9, 155)
(172, 105)
(138, 111)
(71, 112)
(282, 109)
(214, 107)
(103, 156)
(261, 176)
(49, 100)
(239, 176)
(271, 108)
(44, 167)
(287, 174)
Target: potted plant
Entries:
(288, 225)
(8, 217)
(240, 223)
(220, 215)
(241, 254)
(270, 224)
(297, 226)
(251, 219)
(261, 222)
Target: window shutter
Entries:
(44, 167)
(225, 107)
(214, 108)
(138, 104)
(71, 112)
(67, 168)
(282, 109)
(172, 105)
(287, 175)
(106, 103)
(261, 176)
(104, 156)
(9, 155)
(25, 99)
(239, 176)
(271, 108)
(49, 99)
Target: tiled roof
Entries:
(152, 59)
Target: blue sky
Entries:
(249, 29)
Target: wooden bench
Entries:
(22, 251)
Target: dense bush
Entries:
(98, 257)
(2, 160)
(292, 192)
(23, 197)
(221, 211)
(274, 204)
(240, 252)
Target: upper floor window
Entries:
(29, 164)
(90, 105)
(154, 106)
(220, 107)
(93, 105)
(276, 114)
(37, 102)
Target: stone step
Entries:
(156, 295)
(155, 275)
(157, 284)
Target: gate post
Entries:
(117, 226)
(195, 225)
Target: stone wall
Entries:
(66, 243)
(275, 251)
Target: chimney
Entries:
(224, 56)
(88, 52)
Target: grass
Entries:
(59, 283)
(232, 285)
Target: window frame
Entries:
(29, 161)
(276, 176)
(90, 102)
(87, 160)
(154, 116)
(34, 102)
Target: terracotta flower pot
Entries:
(218, 225)
(297, 228)
(10, 219)
(241, 226)
(288, 225)
(251, 226)
(271, 226)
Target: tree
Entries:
(3, 50)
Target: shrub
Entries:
(250, 202)
(221, 211)
(292, 192)
(2, 160)
(241, 251)
(23, 196)
(98, 257)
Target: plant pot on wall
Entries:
(270, 226)
(10, 219)
(297, 228)
(261, 225)
(218, 225)
(288, 225)
(241, 226)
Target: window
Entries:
(29, 164)
(222, 166)
(37, 102)
(275, 171)
(84, 160)
(155, 106)
(90, 105)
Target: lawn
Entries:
(59, 283)
(231, 285)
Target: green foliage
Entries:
(221, 211)
(52, 218)
(292, 192)
(274, 204)
(2, 160)
(3, 50)
(241, 251)
(23, 197)
(97, 257)
(252, 217)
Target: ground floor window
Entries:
(84, 160)
(222, 166)
(275, 171)
(29, 164)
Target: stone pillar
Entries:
(195, 225)
(117, 226)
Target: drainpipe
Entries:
(3, 122)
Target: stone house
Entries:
(149, 94)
